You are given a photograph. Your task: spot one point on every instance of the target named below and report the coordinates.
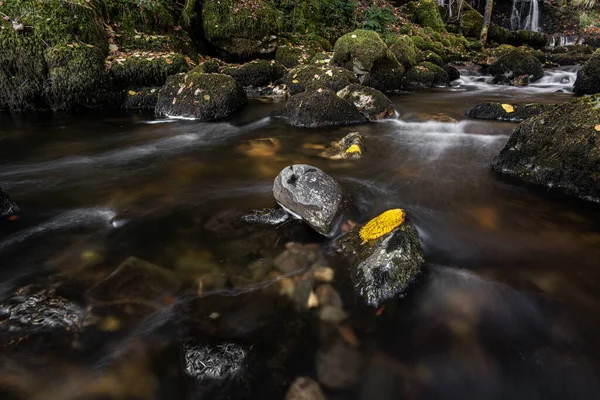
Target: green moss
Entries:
(360, 49)
(209, 67)
(239, 28)
(427, 14)
(426, 44)
(516, 63)
(588, 78)
(431, 57)
(321, 59)
(308, 77)
(471, 23)
(419, 77)
(440, 75)
(140, 70)
(149, 16)
(256, 73)
(77, 77)
(293, 56)
(142, 98)
(404, 50)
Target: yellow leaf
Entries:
(354, 149)
(132, 93)
(295, 81)
(168, 61)
(597, 128)
(206, 97)
(508, 108)
(382, 225)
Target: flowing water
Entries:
(525, 15)
(508, 309)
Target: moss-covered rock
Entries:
(588, 77)
(371, 102)
(7, 206)
(77, 77)
(440, 76)
(431, 57)
(350, 147)
(209, 67)
(385, 257)
(322, 59)
(148, 16)
(506, 112)
(141, 99)
(256, 73)
(366, 54)
(291, 56)
(426, 14)
(559, 148)
(202, 96)
(418, 77)
(241, 29)
(404, 49)
(307, 76)
(471, 23)
(426, 44)
(145, 69)
(318, 108)
(516, 63)
(453, 73)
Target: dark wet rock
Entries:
(366, 54)
(352, 146)
(202, 96)
(452, 72)
(507, 112)
(210, 67)
(7, 206)
(559, 148)
(404, 50)
(570, 55)
(339, 365)
(267, 216)
(144, 98)
(372, 103)
(223, 361)
(312, 195)
(135, 280)
(319, 108)
(588, 77)
(418, 77)
(515, 63)
(256, 73)
(321, 59)
(309, 77)
(304, 388)
(141, 69)
(383, 268)
(440, 76)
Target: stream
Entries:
(511, 300)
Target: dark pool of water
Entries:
(510, 305)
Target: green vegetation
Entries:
(379, 19)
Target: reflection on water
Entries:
(510, 315)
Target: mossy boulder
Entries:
(425, 44)
(322, 59)
(256, 73)
(559, 148)
(241, 29)
(77, 77)
(209, 67)
(506, 112)
(366, 54)
(350, 147)
(404, 49)
(569, 58)
(426, 14)
(431, 57)
(7, 206)
(202, 96)
(371, 102)
(440, 76)
(319, 108)
(471, 23)
(385, 257)
(140, 69)
(453, 73)
(292, 56)
(516, 63)
(141, 99)
(418, 77)
(307, 76)
(156, 16)
(588, 77)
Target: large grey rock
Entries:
(312, 195)
(7, 206)
(384, 268)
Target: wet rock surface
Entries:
(516, 63)
(382, 267)
(558, 149)
(352, 146)
(7, 206)
(256, 73)
(372, 103)
(312, 195)
(588, 77)
(202, 96)
(319, 108)
(311, 77)
(507, 112)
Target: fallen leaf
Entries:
(206, 97)
(132, 93)
(168, 61)
(597, 128)
(508, 108)
(113, 47)
(294, 81)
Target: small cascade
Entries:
(525, 15)
(559, 40)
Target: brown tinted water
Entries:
(508, 308)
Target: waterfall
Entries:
(525, 15)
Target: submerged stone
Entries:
(559, 148)
(312, 195)
(385, 257)
(351, 146)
